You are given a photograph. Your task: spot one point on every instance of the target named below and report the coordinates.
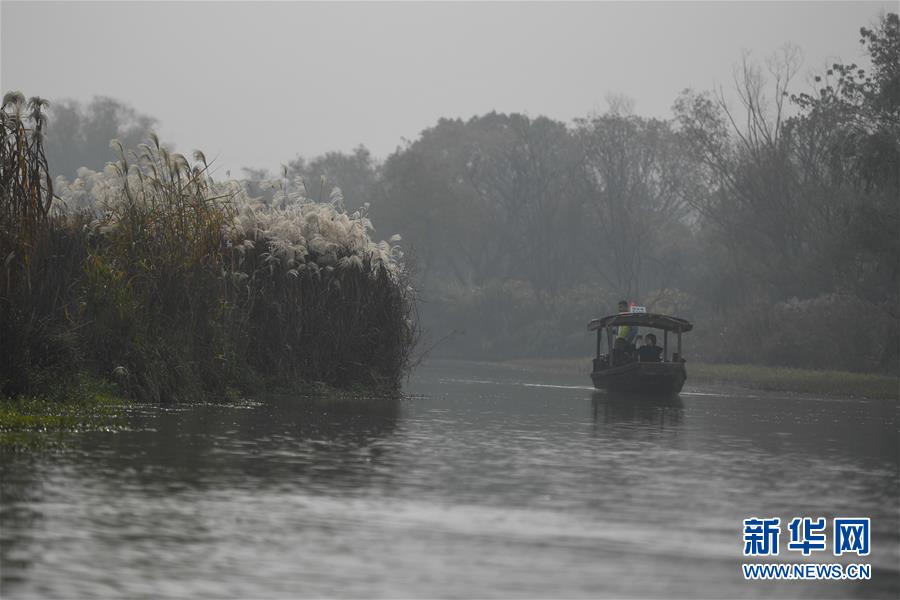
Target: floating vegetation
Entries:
(85, 405)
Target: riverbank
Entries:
(781, 379)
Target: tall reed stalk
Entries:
(38, 253)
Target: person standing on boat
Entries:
(626, 332)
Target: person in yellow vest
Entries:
(626, 332)
(623, 342)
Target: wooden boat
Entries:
(621, 371)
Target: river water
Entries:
(481, 481)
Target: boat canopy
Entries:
(652, 320)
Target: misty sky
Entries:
(255, 84)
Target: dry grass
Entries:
(826, 382)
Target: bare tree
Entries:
(634, 190)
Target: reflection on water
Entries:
(308, 442)
(481, 481)
(662, 412)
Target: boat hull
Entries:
(646, 378)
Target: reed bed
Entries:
(178, 287)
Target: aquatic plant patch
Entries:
(85, 405)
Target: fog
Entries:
(256, 84)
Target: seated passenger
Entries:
(649, 352)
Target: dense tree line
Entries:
(79, 135)
(774, 223)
